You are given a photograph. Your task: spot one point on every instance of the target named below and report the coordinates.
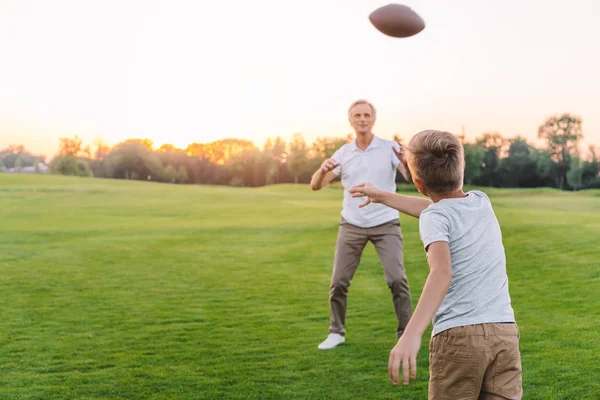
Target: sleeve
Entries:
(482, 194)
(434, 226)
(337, 156)
(395, 160)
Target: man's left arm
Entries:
(400, 159)
(403, 171)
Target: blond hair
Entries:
(361, 101)
(437, 158)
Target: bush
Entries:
(182, 175)
(70, 165)
(593, 184)
(134, 161)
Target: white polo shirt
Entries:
(377, 164)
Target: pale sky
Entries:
(196, 71)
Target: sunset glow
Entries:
(187, 71)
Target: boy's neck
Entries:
(452, 195)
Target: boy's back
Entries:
(478, 292)
(474, 349)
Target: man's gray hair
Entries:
(362, 101)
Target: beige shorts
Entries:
(476, 362)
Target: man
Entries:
(366, 159)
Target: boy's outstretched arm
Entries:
(406, 350)
(411, 205)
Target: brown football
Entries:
(397, 20)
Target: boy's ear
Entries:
(420, 186)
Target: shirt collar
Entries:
(374, 144)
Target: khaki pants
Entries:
(351, 241)
(476, 362)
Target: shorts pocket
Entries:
(453, 374)
(508, 380)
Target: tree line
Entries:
(491, 159)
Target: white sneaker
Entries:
(332, 340)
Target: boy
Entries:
(474, 349)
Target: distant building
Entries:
(41, 169)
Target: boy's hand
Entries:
(405, 353)
(368, 190)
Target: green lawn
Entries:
(134, 290)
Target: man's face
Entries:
(361, 118)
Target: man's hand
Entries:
(368, 190)
(405, 354)
(400, 153)
(329, 165)
(324, 175)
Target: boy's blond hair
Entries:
(437, 158)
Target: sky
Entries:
(196, 71)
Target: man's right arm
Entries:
(324, 175)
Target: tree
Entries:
(10, 155)
(546, 168)
(519, 168)
(102, 150)
(493, 139)
(195, 149)
(220, 151)
(16, 148)
(324, 147)
(70, 165)
(297, 159)
(593, 153)
(562, 134)
(73, 147)
(2, 166)
(248, 168)
(182, 175)
(276, 151)
(168, 148)
(170, 174)
(19, 164)
(492, 144)
(574, 173)
(590, 169)
(133, 160)
(473, 159)
(147, 143)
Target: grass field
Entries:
(134, 290)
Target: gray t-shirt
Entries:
(478, 292)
